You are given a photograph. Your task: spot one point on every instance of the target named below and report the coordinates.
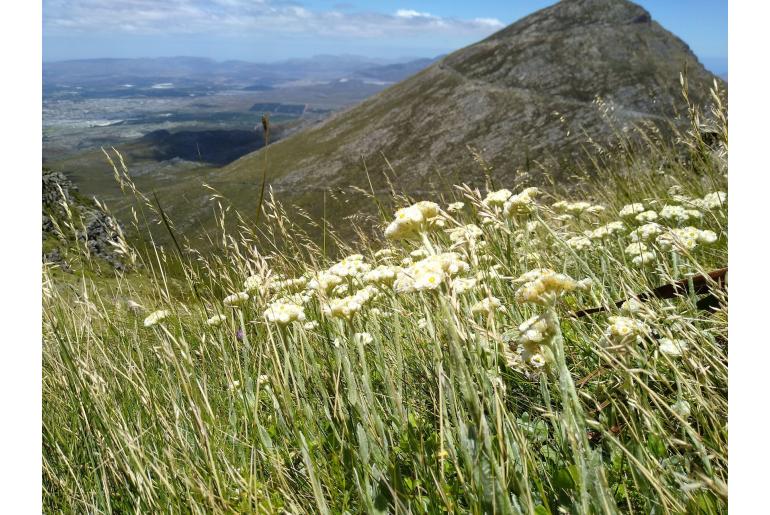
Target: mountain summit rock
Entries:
(531, 92)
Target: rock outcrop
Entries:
(67, 216)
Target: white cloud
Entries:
(411, 13)
(490, 22)
(245, 17)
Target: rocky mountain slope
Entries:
(73, 226)
(527, 94)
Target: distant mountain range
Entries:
(527, 94)
(165, 71)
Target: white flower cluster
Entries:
(671, 347)
(534, 334)
(363, 338)
(430, 273)
(635, 307)
(579, 242)
(236, 299)
(623, 332)
(605, 230)
(576, 208)
(288, 285)
(263, 283)
(284, 313)
(412, 220)
(713, 200)
(646, 232)
(646, 216)
(544, 286)
(461, 285)
(454, 207)
(156, 317)
(679, 214)
(641, 254)
(631, 210)
(216, 320)
(497, 198)
(487, 305)
(464, 235)
(351, 266)
(385, 254)
(382, 275)
(325, 281)
(685, 239)
(522, 203)
(253, 283)
(348, 306)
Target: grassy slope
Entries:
(435, 413)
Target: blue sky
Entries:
(269, 30)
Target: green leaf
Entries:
(657, 446)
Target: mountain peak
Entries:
(570, 14)
(527, 94)
(608, 11)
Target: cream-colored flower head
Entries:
(522, 203)
(679, 213)
(534, 331)
(536, 361)
(715, 200)
(623, 332)
(462, 285)
(579, 242)
(497, 198)
(672, 347)
(216, 320)
(384, 254)
(646, 232)
(707, 237)
(156, 317)
(351, 266)
(630, 210)
(487, 305)
(325, 281)
(636, 248)
(428, 278)
(543, 286)
(646, 216)
(348, 306)
(455, 207)
(253, 283)
(685, 239)
(383, 275)
(645, 258)
(576, 208)
(465, 234)
(283, 313)
(409, 221)
(605, 230)
(288, 285)
(236, 299)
